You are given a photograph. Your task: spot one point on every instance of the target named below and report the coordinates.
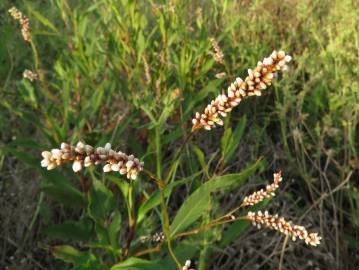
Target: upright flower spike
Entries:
(253, 85)
(24, 22)
(261, 194)
(281, 225)
(83, 155)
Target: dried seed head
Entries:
(281, 225)
(147, 70)
(83, 155)
(217, 55)
(257, 80)
(261, 194)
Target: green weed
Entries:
(133, 73)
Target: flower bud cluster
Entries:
(84, 155)
(157, 237)
(217, 55)
(253, 85)
(261, 194)
(281, 225)
(24, 22)
(28, 74)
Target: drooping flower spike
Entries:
(24, 22)
(83, 155)
(281, 225)
(275, 222)
(253, 85)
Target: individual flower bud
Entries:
(76, 166)
(80, 147)
(107, 147)
(112, 153)
(56, 153)
(107, 168)
(64, 146)
(44, 163)
(100, 150)
(189, 265)
(66, 156)
(88, 149)
(115, 167)
(46, 154)
(281, 54)
(51, 166)
(87, 161)
(129, 164)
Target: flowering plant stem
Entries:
(38, 70)
(165, 220)
(131, 219)
(165, 217)
(177, 156)
(162, 185)
(207, 226)
(166, 226)
(158, 152)
(187, 233)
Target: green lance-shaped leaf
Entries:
(191, 210)
(81, 260)
(114, 228)
(194, 206)
(230, 140)
(138, 264)
(102, 209)
(71, 230)
(155, 198)
(59, 188)
(101, 202)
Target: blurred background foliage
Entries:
(133, 73)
